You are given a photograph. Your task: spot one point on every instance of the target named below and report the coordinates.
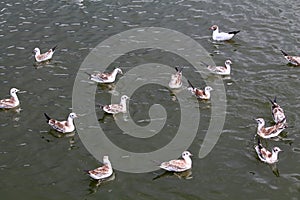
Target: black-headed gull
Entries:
(201, 94)
(102, 172)
(12, 102)
(277, 112)
(175, 81)
(221, 70)
(102, 77)
(179, 165)
(45, 56)
(269, 132)
(222, 36)
(295, 60)
(62, 126)
(265, 155)
(116, 108)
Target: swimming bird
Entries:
(295, 60)
(201, 94)
(12, 102)
(269, 132)
(45, 56)
(116, 108)
(102, 172)
(277, 112)
(179, 165)
(176, 81)
(62, 126)
(265, 155)
(102, 77)
(222, 36)
(221, 70)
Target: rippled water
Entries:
(36, 164)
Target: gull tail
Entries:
(273, 102)
(234, 32)
(259, 143)
(190, 84)
(47, 117)
(90, 75)
(100, 105)
(207, 65)
(53, 48)
(284, 53)
(178, 69)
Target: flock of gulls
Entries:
(178, 165)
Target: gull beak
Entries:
(133, 100)
(21, 91)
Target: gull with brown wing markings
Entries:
(176, 81)
(102, 172)
(201, 94)
(102, 77)
(62, 126)
(221, 70)
(45, 56)
(277, 112)
(269, 132)
(179, 165)
(116, 108)
(295, 60)
(12, 102)
(265, 155)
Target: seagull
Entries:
(201, 94)
(12, 102)
(102, 77)
(221, 70)
(265, 155)
(62, 126)
(269, 132)
(116, 108)
(222, 36)
(295, 60)
(277, 112)
(178, 165)
(102, 172)
(175, 81)
(45, 56)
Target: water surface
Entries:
(36, 164)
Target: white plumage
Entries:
(45, 56)
(178, 165)
(222, 36)
(12, 102)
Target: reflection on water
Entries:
(96, 185)
(181, 175)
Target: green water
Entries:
(36, 164)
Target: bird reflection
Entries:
(60, 135)
(275, 170)
(95, 184)
(181, 175)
